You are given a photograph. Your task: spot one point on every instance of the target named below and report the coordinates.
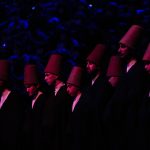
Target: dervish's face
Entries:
(90, 67)
(123, 50)
(31, 89)
(50, 78)
(147, 67)
(72, 90)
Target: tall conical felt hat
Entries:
(132, 36)
(97, 54)
(76, 76)
(4, 70)
(114, 67)
(30, 74)
(146, 56)
(54, 64)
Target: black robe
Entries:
(143, 126)
(120, 116)
(11, 119)
(56, 114)
(31, 132)
(84, 118)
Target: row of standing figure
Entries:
(94, 109)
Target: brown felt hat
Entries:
(132, 36)
(4, 70)
(146, 56)
(75, 76)
(54, 64)
(114, 67)
(31, 74)
(97, 54)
